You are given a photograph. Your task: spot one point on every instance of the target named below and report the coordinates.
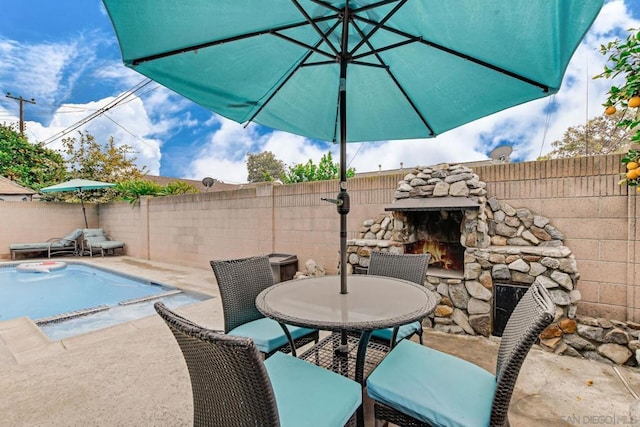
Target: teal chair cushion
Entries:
(434, 387)
(110, 244)
(403, 332)
(68, 240)
(307, 395)
(25, 246)
(267, 334)
(94, 235)
(74, 235)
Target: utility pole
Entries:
(22, 101)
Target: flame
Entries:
(443, 255)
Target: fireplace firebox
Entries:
(437, 233)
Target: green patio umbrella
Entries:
(396, 69)
(78, 185)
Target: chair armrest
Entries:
(62, 239)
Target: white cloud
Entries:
(125, 123)
(45, 71)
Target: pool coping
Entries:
(73, 314)
(22, 341)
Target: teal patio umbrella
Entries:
(353, 70)
(78, 185)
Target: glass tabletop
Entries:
(372, 302)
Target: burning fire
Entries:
(443, 255)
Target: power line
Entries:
(355, 155)
(22, 101)
(128, 131)
(546, 124)
(118, 100)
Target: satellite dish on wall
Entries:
(208, 182)
(502, 153)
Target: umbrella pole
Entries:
(84, 212)
(343, 196)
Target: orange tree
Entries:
(623, 62)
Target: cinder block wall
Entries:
(24, 222)
(193, 229)
(309, 227)
(580, 196)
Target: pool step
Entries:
(150, 297)
(70, 315)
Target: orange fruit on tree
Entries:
(610, 110)
(632, 165)
(634, 102)
(633, 174)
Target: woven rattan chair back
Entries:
(411, 267)
(532, 315)
(240, 281)
(230, 384)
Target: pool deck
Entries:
(133, 374)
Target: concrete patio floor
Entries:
(133, 374)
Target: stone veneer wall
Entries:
(503, 245)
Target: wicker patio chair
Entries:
(418, 386)
(240, 281)
(232, 386)
(411, 267)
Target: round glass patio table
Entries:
(372, 302)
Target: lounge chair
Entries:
(95, 240)
(57, 245)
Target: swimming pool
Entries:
(78, 298)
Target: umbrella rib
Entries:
(360, 9)
(376, 5)
(284, 82)
(397, 83)
(480, 62)
(138, 61)
(312, 22)
(328, 6)
(304, 45)
(375, 51)
(378, 25)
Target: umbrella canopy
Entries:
(396, 69)
(78, 185)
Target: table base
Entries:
(323, 354)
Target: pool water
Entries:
(58, 300)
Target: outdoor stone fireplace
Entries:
(484, 255)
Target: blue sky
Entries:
(64, 54)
